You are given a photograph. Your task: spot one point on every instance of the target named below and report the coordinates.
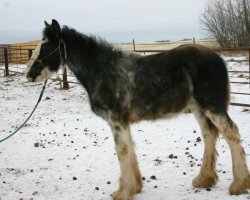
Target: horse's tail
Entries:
(210, 80)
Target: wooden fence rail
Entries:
(17, 55)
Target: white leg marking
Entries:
(230, 132)
(207, 176)
(130, 179)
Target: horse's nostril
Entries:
(27, 75)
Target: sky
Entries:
(117, 21)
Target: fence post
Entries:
(30, 53)
(6, 62)
(249, 65)
(134, 44)
(65, 79)
(194, 40)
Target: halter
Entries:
(57, 48)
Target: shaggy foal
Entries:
(124, 88)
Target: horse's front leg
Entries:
(130, 179)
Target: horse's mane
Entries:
(94, 44)
(93, 47)
(72, 34)
(84, 40)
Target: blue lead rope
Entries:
(39, 99)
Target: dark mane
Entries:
(84, 40)
(78, 40)
(90, 47)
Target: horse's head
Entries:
(46, 58)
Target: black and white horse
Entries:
(124, 88)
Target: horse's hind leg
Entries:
(207, 176)
(130, 179)
(230, 132)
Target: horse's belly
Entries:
(159, 109)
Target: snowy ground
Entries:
(65, 152)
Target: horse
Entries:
(125, 88)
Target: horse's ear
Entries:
(56, 28)
(46, 24)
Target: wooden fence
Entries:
(17, 53)
(21, 54)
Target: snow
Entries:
(64, 141)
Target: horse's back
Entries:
(165, 82)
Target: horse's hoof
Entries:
(240, 187)
(118, 195)
(204, 182)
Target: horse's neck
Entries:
(85, 68)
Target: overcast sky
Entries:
(114, 20)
